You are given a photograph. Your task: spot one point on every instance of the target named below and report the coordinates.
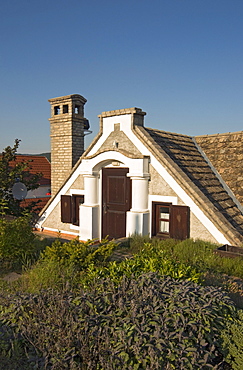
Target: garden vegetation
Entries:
(142, 304)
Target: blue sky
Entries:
(181, 61)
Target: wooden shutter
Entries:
(76, 201)
(66, 208)
(180, 222)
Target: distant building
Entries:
(37, 164)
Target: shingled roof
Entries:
(195, 175)
(40, 203)
(225, 152)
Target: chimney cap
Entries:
(119, 112)
(73, 97)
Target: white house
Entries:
(134, 179)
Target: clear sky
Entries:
(181, 61)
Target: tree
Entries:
(10, 172)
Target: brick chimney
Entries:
(67, 136)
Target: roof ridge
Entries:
(222, 134)
(167, 132)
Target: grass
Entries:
(25, 261)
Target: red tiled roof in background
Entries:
(36, 164)
(41, 202)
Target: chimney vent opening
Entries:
(76, 109)
(65, 108)
(56, 110)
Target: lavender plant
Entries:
(150, 322)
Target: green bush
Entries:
(201, 255)
(233, 341)
(78, 254)
(144, 323)
(137, 242)
(61, 263)
(16, 239)
(46, 274)
(151, 258)
(198, 254)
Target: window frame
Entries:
(156, 219)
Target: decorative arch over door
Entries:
(102, 212)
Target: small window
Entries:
(65, 109)
(161, 219)
(56, 110)
(164, 219)
(170, 221)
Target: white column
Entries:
(91, 190)
(138, 216)
(89, 210)
(139, 194)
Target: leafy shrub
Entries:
(144, 323)
(229, 266)
(79, 254)
(16, 352)
(201, 254)
(233, 341)
(151, 258)
(84, 263)
(61, 263)
(16, 239)
(137, 242)
(195, 253)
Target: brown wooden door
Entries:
(116, 201)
